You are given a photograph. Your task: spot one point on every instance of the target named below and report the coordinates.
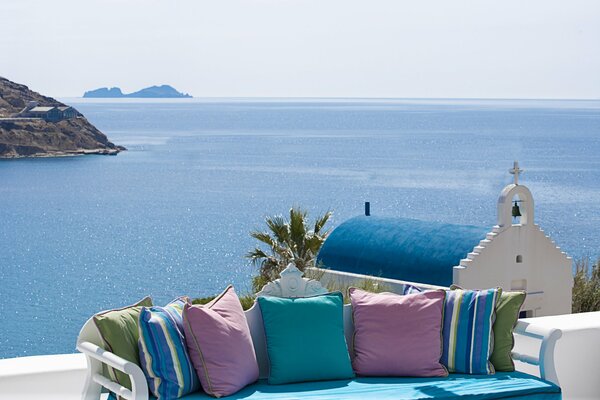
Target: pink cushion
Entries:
(220, 346)
(398, 335)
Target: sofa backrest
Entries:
(291, 284)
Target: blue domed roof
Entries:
(399, 248)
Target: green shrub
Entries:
(369, 285)
(586, 286)
(247, 300)
(203, 300)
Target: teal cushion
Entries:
(305, 338)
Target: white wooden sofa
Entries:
(291, 284)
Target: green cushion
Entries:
(120, 333)
(305, 338)
(507, 314)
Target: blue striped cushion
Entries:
(467, 333)
(163, 352)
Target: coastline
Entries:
(73, 153)
(34, 125)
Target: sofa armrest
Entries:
(96, 357)
(544, 359)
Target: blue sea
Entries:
(171, 216)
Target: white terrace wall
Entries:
(339, 280)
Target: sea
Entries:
(172, 215)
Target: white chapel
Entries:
(515, 254)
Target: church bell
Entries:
(516, 212)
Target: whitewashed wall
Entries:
(339, 279)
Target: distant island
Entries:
(152, 92)
(33, 125)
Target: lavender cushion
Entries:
(219, 344)
(398, 335)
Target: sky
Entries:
(306, 48)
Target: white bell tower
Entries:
(517, 255)
(515, 195)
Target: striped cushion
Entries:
(163, 352)
(468, 337)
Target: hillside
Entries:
(40, 138)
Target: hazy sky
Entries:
(306, 48)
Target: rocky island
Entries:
(152, 92)
(33, 125)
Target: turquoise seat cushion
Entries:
(305, 338)
(502, 385)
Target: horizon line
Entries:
(332, 98)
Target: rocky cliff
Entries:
(40, 138)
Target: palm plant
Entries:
(586, 286)
(287, 241)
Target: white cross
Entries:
(516, 171)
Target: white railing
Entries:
(96, 356)
(544, 360)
